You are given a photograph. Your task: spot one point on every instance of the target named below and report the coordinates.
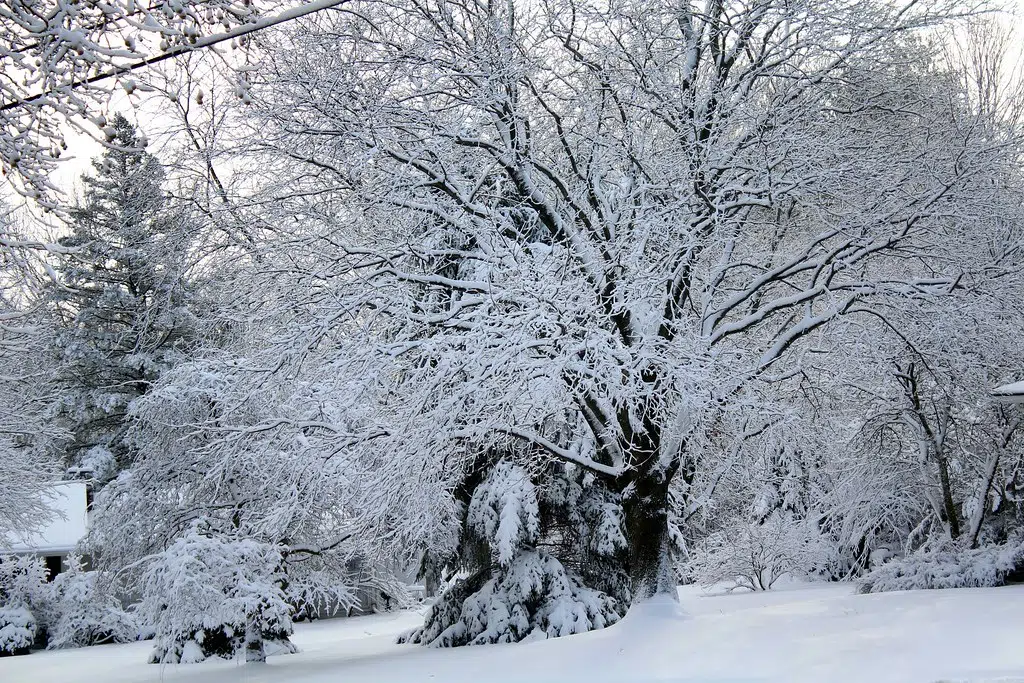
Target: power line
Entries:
(287, 15)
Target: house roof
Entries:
(67, 500)
(1012, 393)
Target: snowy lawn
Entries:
(823, 634)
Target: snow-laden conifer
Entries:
(122, 301)
(517, 591)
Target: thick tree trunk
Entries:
(646, 510)
(645, 501)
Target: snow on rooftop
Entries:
(1011, 391)
(68, 525)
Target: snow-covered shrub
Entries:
(949, 565)
(17, 631)
(523, 593)
(98, 463)
(22, 580)
(87, 613)
(23, 584)
(216, 597)
(755, 556)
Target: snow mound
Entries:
(658, 608)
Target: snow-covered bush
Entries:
(949, 565)
(71, 611)
(22, 580)
(523, 593)
(216, 597)
(23, 584)
(17, 631)
(755, 556)
(98, 463)
(87, 613)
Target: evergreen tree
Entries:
(123, 299)
(539, 557)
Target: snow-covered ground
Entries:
(823, 634)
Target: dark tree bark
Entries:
(646, 511)
(645, 500)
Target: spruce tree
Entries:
(122, 297)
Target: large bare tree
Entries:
(589, 228)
